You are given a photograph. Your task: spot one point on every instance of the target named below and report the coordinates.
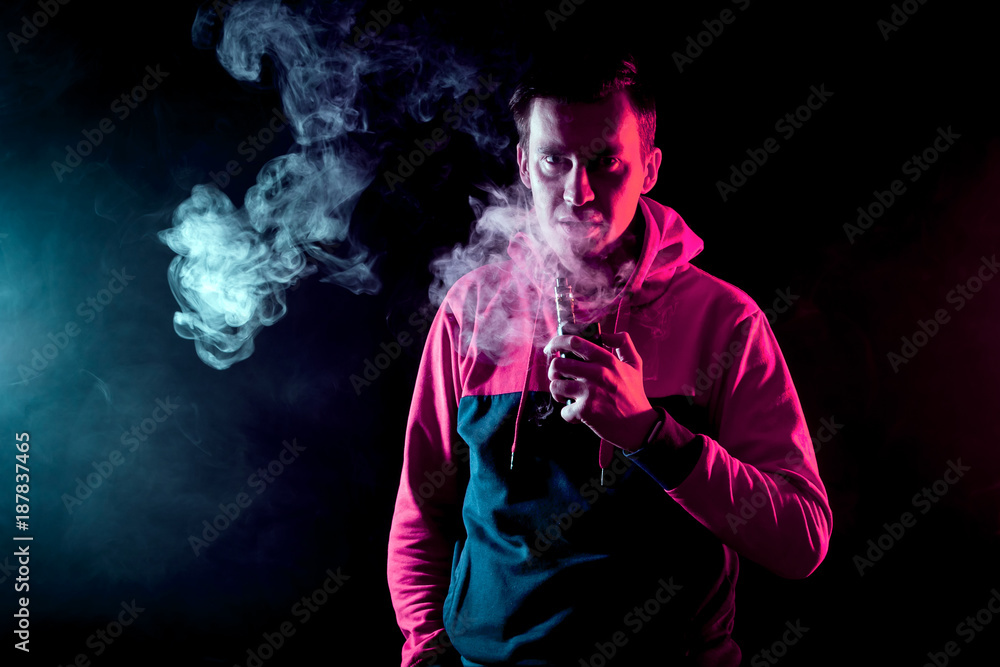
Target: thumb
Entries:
(623, 348)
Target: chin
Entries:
(587, 254)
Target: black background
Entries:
(782, 230)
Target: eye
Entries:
(607, 162)
(553, 159)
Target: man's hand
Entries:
(606, 388)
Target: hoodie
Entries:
(528, 559)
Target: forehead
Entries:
(576, 124)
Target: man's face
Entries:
(585, 169)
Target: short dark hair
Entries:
(590, 78)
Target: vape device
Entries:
(566, 314)
(566, 319)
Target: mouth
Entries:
(585, 218)
(577, 227)
(591, 218)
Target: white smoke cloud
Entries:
(234, 264)
(496, 223)
(509, 321)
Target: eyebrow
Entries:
(558, 149)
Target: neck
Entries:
(599, 281)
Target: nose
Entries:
(577, 190)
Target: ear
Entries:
(522, 166)
(652, 169)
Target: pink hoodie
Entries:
(755, 484)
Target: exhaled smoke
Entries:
(495, 225)
(234, 264)
(508, 322)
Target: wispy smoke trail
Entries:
(234, 264)
(496, 224)
(506, 214)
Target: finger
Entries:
(573, 400)
(574, 345)
(556, 344)
(571, 369)
(565, 390)
(623, 347)
(571, 413)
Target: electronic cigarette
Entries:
(566, 315)
(566, 319)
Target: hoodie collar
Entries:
(668, 243)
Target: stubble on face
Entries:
(586, 172)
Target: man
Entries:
(505, 546)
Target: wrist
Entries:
(671, 454)
(647, 425)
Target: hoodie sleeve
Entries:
(427, 517)
(758, 487)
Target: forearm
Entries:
(755, 482)
(776, 515)
(780, 519)
(668, 452)
(426, 522)
(419, 572)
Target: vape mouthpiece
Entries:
(565, 305)
(566, 313)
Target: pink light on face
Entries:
(585, 169)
